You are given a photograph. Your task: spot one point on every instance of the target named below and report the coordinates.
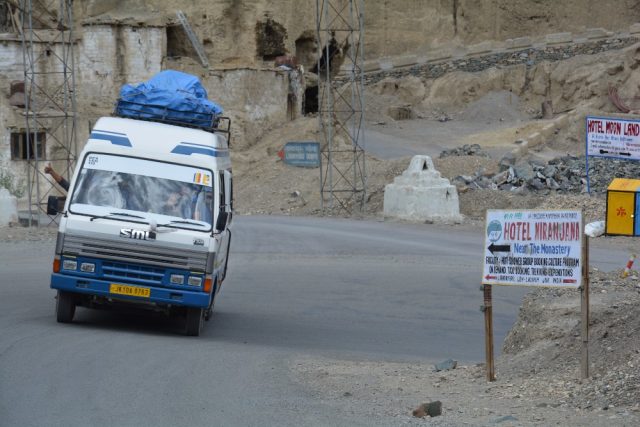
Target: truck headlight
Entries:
(194, 281)
(68, 264)
(177, 279)
(88, 267)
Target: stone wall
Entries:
(108, 56)
(11, 118)
(11, 58)
(525, 50)
(255, 100)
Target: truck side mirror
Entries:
(221, 222)
(55, 205)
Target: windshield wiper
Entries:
(187, 222)
(182, 222)
(125, 214)
(114, 214)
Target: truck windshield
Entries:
(161, 191)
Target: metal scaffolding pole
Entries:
(340, 30)
(50, 97)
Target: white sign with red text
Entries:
(608, 137)
(533, 248)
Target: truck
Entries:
(146, 221)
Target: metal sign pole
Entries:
(586, 160)
(586, 153)
(488, 332)
(584, 309)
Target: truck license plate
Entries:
(134, 291)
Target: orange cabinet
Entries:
(622, 204)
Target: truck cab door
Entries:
(224, 208)
(228, 181)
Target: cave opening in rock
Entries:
(270, 38)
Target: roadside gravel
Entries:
(538, 374)
(17, 233)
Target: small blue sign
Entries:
(302, 154)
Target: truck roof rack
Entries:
(162, 114)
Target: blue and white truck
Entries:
(146, 222)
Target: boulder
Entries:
(431, 409)
(446, 365)
(524, 170)
(509, 159)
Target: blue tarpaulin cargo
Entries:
(170, 96)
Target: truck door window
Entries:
(229, 185)
(222, 191)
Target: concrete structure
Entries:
(8, 208)
(558, 38)
(109, 56)
(421, 194)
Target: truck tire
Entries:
(195, 321)
(65, 307)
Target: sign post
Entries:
(488, 332)
(534, 248)
(584, 310)
(611, 137)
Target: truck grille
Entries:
(135, 259)
(132, 273)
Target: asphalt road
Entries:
(297, 287)
(428, 137)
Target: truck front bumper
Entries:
(158, 295)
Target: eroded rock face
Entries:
(401, 27)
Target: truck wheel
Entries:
(195, 321)
(65, 307)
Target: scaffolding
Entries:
(50, 97)
(340, 30)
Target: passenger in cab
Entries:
(203, 206)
